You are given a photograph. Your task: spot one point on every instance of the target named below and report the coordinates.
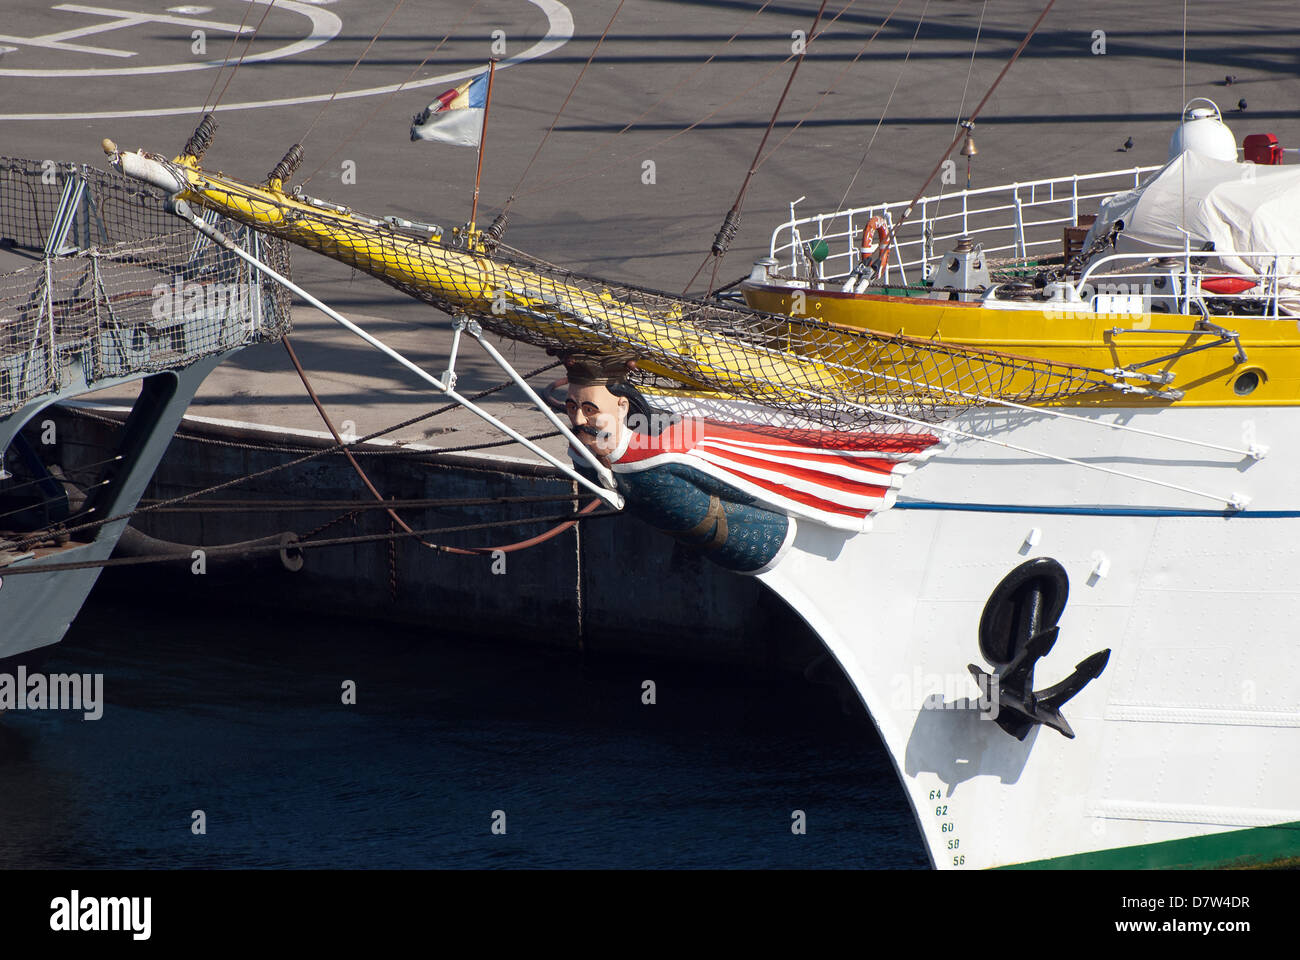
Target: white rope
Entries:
(1182, 167)
(1256, 452)
(1234, 502)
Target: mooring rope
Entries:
(369, 485)
(45, 532)
(316, 506)
(295, 545)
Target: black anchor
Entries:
(1017, 629)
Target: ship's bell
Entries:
(968, 148)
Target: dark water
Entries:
(240, 715)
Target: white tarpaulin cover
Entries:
(1239, 206)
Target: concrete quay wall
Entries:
(610, 586)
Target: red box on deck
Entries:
(1262, 148)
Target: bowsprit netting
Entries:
(833, 375)
(839, 377)
(119, 285)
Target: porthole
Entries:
(1245, 383)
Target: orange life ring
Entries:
(873, 250)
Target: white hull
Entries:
(1193, 728)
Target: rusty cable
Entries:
(37, 535)
(11, 571)
(365, 479)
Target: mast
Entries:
(478, 174)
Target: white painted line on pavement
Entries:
(559, 32)
(325, 26)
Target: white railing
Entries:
(1020, 220)
(1106, 278)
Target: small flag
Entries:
(456, 116)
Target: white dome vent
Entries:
(1204, 131)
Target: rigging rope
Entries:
(356, 63)
(311, 392)
(38, 535)
(831, 86)
(365, 479)
(675, 87)
(226, 60)
(37, 506)
(11, 487)
(907, 211)
(560, 112)
(970, 69)
(399, 450)
(1182, 167)
(880, 122)
(371, 114)
(552, 184)
(731, 222)
(961, 110)
(1233, 501)
(244, 53)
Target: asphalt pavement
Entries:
(865, 119)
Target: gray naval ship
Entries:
(101, 288)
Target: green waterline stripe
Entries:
(1250, 847)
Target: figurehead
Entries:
(732, 491)
(604, 407)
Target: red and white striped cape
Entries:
(837, 479)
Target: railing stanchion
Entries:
(821, 235)
(850, 243)
(1020, 221)
(976, 218)
(1277, 289)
